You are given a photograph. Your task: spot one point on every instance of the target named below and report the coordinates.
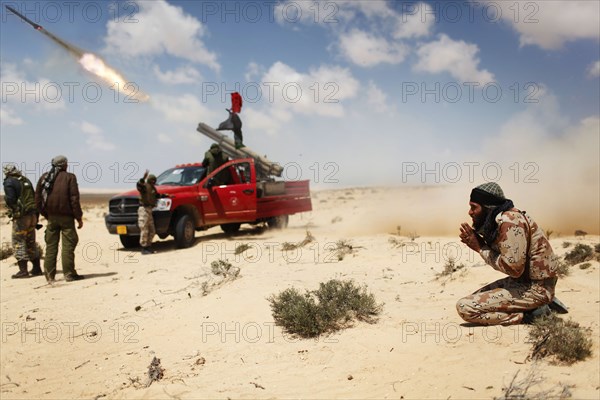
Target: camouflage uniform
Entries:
(148, 199)
(532, 277)
(20, 202)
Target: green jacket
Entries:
(19, 196)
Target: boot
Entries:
(36, 270)
(531, 315)
(22, 270)
(147, 250)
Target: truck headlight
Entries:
(163, 205)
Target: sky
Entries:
(344, 93)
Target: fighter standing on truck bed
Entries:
(148, 199)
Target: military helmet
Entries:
(151, 178)
(10, 169)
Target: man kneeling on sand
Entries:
(512, 243)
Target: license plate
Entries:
(122, 230)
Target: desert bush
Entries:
(330, 308)
(224, 268)
(395, 242)
(343, 248)
(580, 253)
(585, 265)
(562, 268)
(566, 244)
(529, 388)
(309, 238)
(6, 250)
(241, 248)
(559, 340)
(549, 233)
(450, 267)
(413, 236)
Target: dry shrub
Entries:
(528, 388)
(342, 248)
(309, 238)
(563, 342)
(566, 244)
(330, 308)
(580, 253)
(450, 267)
(241, 248)
(585, 265)
(6, 250)
(562, 268)
(224, 269)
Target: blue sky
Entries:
(351, 93)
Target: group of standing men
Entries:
(56, 198)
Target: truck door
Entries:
(233, 197)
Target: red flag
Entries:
(236, 102)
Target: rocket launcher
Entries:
(264, 167)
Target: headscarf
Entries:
(491, 196)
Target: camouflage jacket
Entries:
(508, 253)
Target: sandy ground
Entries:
(96, 338)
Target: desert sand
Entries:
(96, 338)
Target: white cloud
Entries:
(377, 98)
(379, 42)
(95, 138)
(253, 70)
(367, 50)
(186, 109)
(416, 24)
(8, 117)
(161, 29)
(187, 74)
(319, 92)
(550, 24)
(42, 94)
(456, 57)
(593, 70)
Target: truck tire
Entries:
(278, 222)
(185, 231)
(130, 242)
(231, 228)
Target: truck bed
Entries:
(295, 199)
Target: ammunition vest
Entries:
(26, 200)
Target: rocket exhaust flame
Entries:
(91, 63)
(98, 67)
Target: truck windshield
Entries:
(183, 176)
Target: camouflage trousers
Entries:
(58, 227)
(503, 302)
(146, 224)
(23, 238)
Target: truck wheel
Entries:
(184, 231)
(130, 242)
(230, 228)
(279, 222)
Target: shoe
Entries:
(530, 316)
(558, 306)
(36, 270)
(20, 275)
(22, 270)
(74, 277)
(147, 250)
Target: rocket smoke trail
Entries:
(90, 62)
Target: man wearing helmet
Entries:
(20, 202)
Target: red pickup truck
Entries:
(229, 197)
